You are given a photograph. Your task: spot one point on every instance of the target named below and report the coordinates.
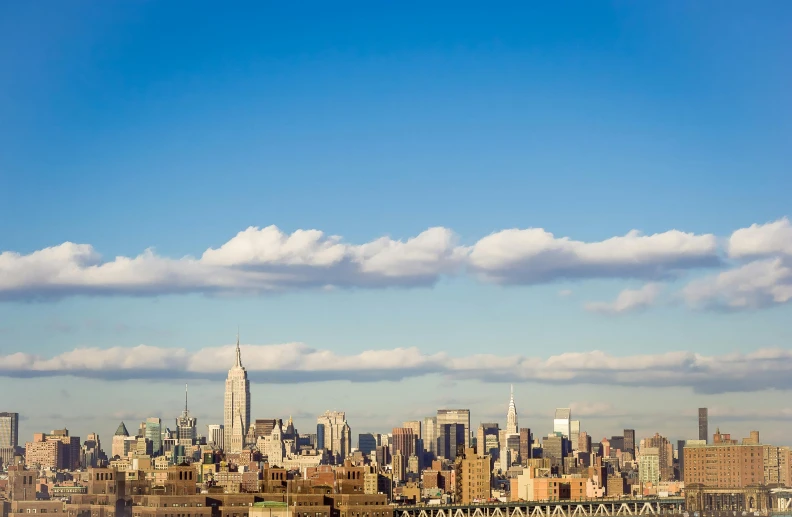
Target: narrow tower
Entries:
(511, 416)
(236, 408)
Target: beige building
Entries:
(45, 453)
(725, 463)
(473, 477)
(236, 406)
(337, 436)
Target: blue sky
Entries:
(175, 126)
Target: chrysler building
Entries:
(511, 416)
(236, 410)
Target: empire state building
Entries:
(236, 410)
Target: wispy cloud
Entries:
(296, 362)
(536, 256)
(628, 300)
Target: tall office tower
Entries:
(556, 448)
(526, 445)
(9, 429)
(450, 440)
(430, 436)
(404, 441)
(215, 435)
(584, 442)
(415, 425)
(702, 421)
(488, 439)
(574, 433)
(186, 425)
(629, 441)
(336, 434)
(681, 459)
(119, 439)
(511, 416)
(236, 407)
(367, 443)
(561, 422)
(154, 433)
(617, 443)
(91, 453)
(455, 416)
(320, 436)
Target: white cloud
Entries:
(770, 239)
(261, 260)
(295, 362)
(765, 280)
(628, 300)
(535, 256)
(754, 285)
(565, 293)
(254, 261)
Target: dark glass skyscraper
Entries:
(703, 432)
(629, 441)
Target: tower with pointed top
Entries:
(186, 426)
(236, 407)
(511, 416)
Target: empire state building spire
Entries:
(238, 353)
(236, 407)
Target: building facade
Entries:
(215, 435)
(236, 407)
(511, 416)
(703, 432)
(562, 422)
(9, 429)
(455, 416)
(334, 434)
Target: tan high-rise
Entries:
(473, 477)
(236, 408)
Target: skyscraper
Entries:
(561, 422)
(154, 433)
(450, 440)
(119, 439)
(337, 436)
(629, 441)
(9, 429)
(215, 437)
(367, 443)
(236, 409)
(511, 416)
(429, 435)
(526, 445)
(415, 425)
(186, 425)
(574, 433)
(455, 416)
(702, 421)
(404, 439)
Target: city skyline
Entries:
(397, 203)
(540, 426)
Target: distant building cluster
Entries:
(266, 465)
